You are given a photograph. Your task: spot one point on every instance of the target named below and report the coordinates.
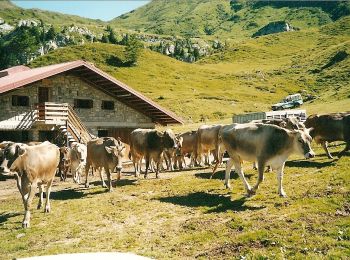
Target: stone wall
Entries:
(65, 88)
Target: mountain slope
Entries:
(226, 19)
(12, 14)
(246, 77)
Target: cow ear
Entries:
(181, 139)
(20, 150)
(109, 149)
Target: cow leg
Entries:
(109, 179)
(147, 165)
(87, 168)
(74, 175)
(41, 196)
(137, 164)
(238, 166)
(325, 147)
(228, 172)
(47, 202)
(261, 168)
(280, 179)
(28, 192)
(347, 148)
(102, 178)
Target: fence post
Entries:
(67, 144)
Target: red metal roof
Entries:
(99, 79)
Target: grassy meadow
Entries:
(186, 215)
(247, 76)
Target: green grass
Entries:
(187, 215)
(192, 17)
(247, 76)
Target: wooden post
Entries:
(67, 141)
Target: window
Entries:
(102, 133)
(83, 103)
(108, 105)
(20, 101)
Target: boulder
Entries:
(274, 27)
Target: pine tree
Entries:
(132, 50)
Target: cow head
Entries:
(179, 146)
(81, 151)
(9, 155)
(117, 152)
(169, 139)
(65, 152)
(302, 143)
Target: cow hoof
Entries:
(86, 185)
(283, 195)
(47, 210)
(145, 176)
(39, 206)
(250, 193)
(25, 224)
(104, 185)
(228, 186)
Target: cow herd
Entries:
(266, 143)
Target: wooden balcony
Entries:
(62, 114)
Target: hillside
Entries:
(12, 14)
(227, 19)
(246, 77)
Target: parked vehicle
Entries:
(288, 102)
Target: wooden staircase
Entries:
(66, 121)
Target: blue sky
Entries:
(104, 10)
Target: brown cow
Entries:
(32, 165)
(74, 159)
(187, 146)
(330, 128)
(290, 123)
(106, 153)
(207, 141)
(150, 143)
(266, 144)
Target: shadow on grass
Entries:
(310, 164)
(5, 216)
(220, 175)
(67, 194)
(115, 183)
(216, 202)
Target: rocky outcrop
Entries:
(274, 27)
(4, 27)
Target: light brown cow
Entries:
(74, 159)
(207, 141)
(330, 128)
(104, 153)
(150, 143)
(187, 146)
(266, 144)
(32, 165)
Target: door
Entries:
(43, 95)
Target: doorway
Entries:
(43, 95)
